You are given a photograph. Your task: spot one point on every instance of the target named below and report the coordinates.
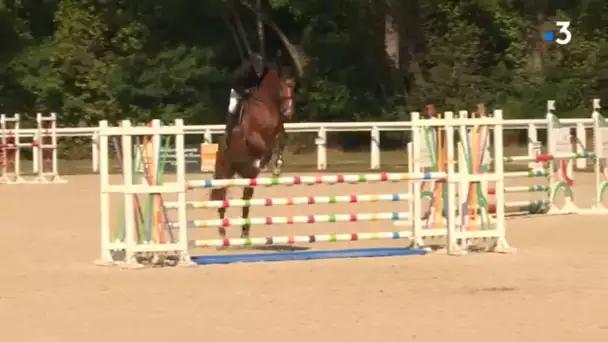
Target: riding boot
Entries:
(229, 128)
(234, 109)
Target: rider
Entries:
(245, 79)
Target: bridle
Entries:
(286, 85)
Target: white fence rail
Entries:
(322, 128)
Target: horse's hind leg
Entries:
(257, 143)
(245, 228)
(223, 170)
(281, 142)
(220, 195)
(248, 171)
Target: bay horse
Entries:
(254, 138)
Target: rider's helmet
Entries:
(258, 63)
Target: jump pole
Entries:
(307, 255)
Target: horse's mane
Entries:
(271, 74)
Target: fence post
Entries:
(581, 145)
(207, 136)
(532, 143)
(95, 151)
(321, 142)
(375, 148)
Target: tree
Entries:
(356, 59)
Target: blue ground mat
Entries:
(306, 255)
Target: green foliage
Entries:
(144, 59)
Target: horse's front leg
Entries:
(281, 142)
(247, 195)
(266, 159)
(223, 170)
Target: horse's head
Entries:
(288, 86)
(280, 90)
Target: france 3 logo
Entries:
(563, 36)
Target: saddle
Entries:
(248, 93)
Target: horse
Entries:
(253, 139)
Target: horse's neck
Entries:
(271, 93)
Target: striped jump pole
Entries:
(305, 180)
(525, 188)
(303, 219)
(545, 157)
(312, 180)
(290, 201)
(532, 206)
(529, 206)
(299, 239)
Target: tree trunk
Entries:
(536, 45)
(260, 26)
(241, 31)
(391, 36)
(235, 37)
(297, 57)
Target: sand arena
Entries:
(555, 288)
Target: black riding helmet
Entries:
(257, 61)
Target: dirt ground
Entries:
(554, 289)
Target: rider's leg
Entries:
(235, 100)
(233, 112)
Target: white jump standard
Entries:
(128, 248)
(43, 145)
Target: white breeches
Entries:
(234, 101)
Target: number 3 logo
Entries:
(565, 32)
